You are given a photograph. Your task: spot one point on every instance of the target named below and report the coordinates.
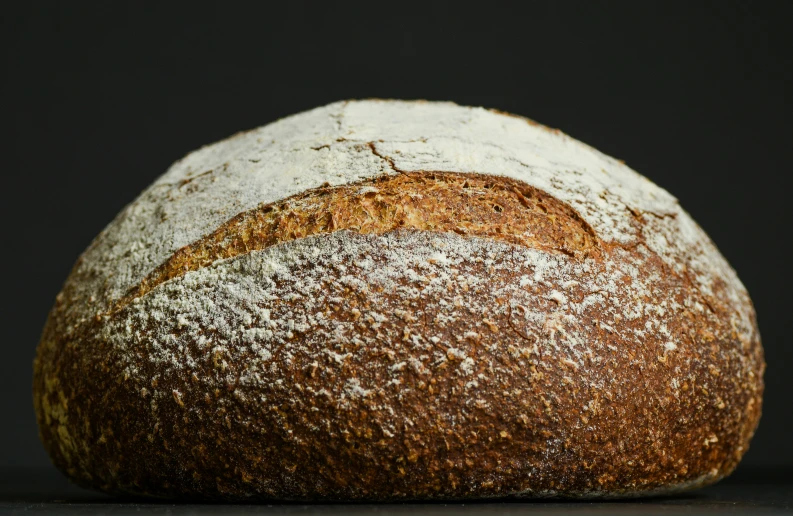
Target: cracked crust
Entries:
(307, 312)
(469, 204)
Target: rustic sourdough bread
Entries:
(382, 300)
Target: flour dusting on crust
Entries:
(324, 146)
(419, 328)
(418, 362)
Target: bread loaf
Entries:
(387, 300)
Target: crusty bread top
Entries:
(379, 280)
(352, 141)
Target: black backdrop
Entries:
(99, 99)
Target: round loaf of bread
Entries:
(387, 300)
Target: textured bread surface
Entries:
(386, 300)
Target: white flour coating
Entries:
(331, 145)
(419, 330)
(221, 308)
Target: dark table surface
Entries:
(764, 491)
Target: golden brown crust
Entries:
(557, 325)
(539, 420)
(493, 207)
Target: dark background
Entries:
(99, 99)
